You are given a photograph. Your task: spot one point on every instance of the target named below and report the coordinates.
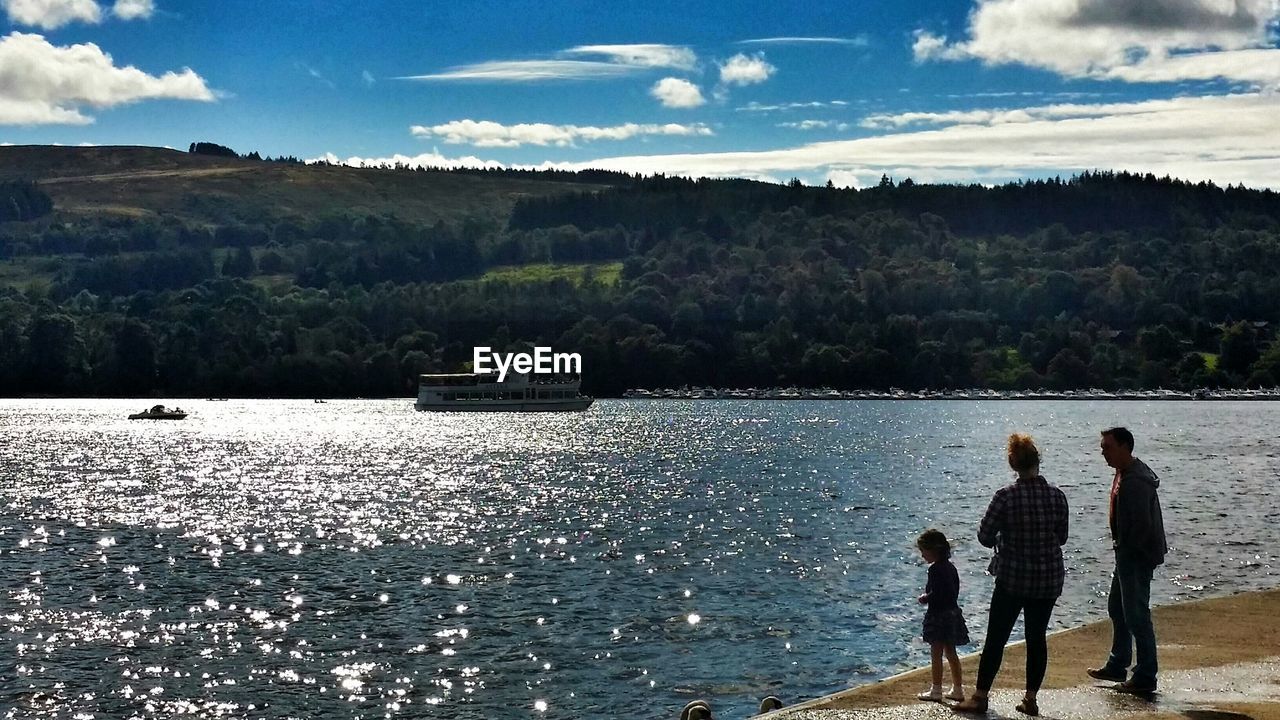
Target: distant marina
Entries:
(792, 393)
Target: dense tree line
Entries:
(1092, 201)
(1104, 280)
(214, 149)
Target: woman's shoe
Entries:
(933, 694)
(956, 694)
(974, 704)
(1028, 707)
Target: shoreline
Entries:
(1265, 394)
(1204, 645)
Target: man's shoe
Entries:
(1106, 673)
(1136, 688)
(974, 705)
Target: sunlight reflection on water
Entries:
(352, 559)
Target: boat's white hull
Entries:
(571, 405)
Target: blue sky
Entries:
(954, 90)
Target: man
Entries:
(1137, 535)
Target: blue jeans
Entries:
(1129, 606)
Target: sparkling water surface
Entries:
(357, 559)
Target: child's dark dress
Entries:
(943, 621)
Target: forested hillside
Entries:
(152, 272)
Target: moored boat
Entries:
(484, 392)
(159, 412)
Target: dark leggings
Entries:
(1004, 613)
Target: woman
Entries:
(1026, 523)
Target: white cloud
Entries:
(531, 71)
(1060, 111)
(51, 14)
(620, 60)
(485, 133)
(1224, 138)
(815, 125)
(368, 78)
(742, 69)
(1261, 66)
(859, 41)
(642, 55)
(133, 9)
(757, 107)
(1183, 137)
(1133, 40)
(928, 46)
(845, 178)
(42, 83)
(432, 159)
(677, 93)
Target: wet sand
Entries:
(1219, 660)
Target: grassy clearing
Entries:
(20, 272)
(603, 273)
(1210, 361)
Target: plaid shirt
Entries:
(1027, 525)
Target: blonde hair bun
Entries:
(1023, 454)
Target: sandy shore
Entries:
(1219, 659)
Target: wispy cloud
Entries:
(758, 107)
(677, 93)
(1060, 111)
(530, 71)
(368, 78)
(815, 125)
(643, 55)
(41, 83)
(620, 60)
(314, 73)
(1129, 40)
(743, 69)
(485, 133)
(859, 41)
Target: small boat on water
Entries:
(159, 412)
(484, 392)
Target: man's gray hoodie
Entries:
(1137, 526)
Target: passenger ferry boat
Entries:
(484, 393)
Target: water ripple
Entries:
(357, 559)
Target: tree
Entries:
(55, 354)
(239, 263)
(1239, 348)
(1067, 370)
(208, 148)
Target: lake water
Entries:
(361, 560)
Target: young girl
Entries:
(944, 626)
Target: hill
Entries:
(142, 182)
(142, 271)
